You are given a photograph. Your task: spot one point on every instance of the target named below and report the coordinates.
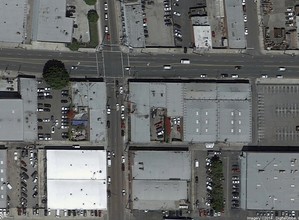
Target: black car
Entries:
(63, 101)
(40, 120)
(196, 179)
(185, 49)
(34, 194)
(24, 175)
(49, 97)
(108, 193)
(40, 127)
(177, 26)
(47, 105)
(108, 124)
(235, 193)
(238, 67)
(23, 184)
(24, 169)
(122, 133)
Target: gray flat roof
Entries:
(200, 90)
(3, 178)
(174, 99)
(235, 121)
(27, 89)
(140, 120)
(158, 195)
(12, 16)
(11, 119)
(200, 121)
(217, 112)
(134, 25)
(93, 96)
(272, 180)
(50, 22)
(161, 165)
(235, 24)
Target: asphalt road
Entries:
(149, 65)
(117, 202)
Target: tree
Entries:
(90, 2)
(55, 74)
(92, 16)
(74, 46)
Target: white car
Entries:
(127, 68)
(235, 76)
(53, 129)
(106, 29)
(177, 13)
(40, 90)
(109, 179)
(245, 18)
(178, 35)
(40, 109)
(65, 108)
(108, 110)
(264, 76)
(47, 88)
(121, 90)
(167, 9)
(235, 182)
(123, 192)
(46, 93)
(122, 116)
(46, 120)
(123, 160)
(203, 75)
(243, 2)
(105, 6)
(74, 67)
(106, 16)
(117, 107)
(122, 108)
(279, 76)
(246, 31)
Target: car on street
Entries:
(106, 29)
(109, 180)
(108, 110)
(123, 160)
(121, 90)
(105, 6)
(264, 76)
(117, 107)
(245, 18)
(106, 16)
(123, 192)
(63, 101)
(246, 31)
(203, 75)
(177, 13)
(122, 108)
(74, 67)
(235, 75)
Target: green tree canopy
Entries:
(92, 15)
(90, 2)
(55, 74)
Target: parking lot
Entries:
(53, 108)
(278, 111)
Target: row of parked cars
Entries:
(235, 202)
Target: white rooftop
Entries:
(76, 179)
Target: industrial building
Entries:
(269, 180)
(89, 99)
(201, 111)
(18, 110)
(160, 179)
(50, 23)
(76, 179)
